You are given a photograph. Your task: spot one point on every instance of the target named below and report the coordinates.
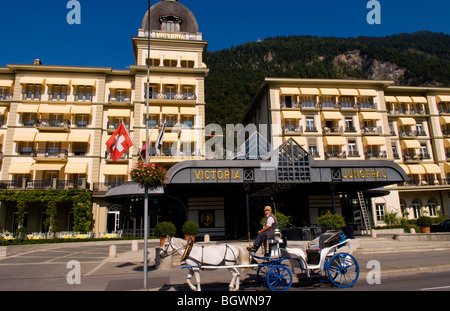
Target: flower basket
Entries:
(149, 175)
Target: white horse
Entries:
(208, 255)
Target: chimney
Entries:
(37, 62)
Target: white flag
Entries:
(159, 141)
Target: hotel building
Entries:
(55, 120)
(367, 120)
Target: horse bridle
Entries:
(165, 251)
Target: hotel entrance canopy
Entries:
(288, 165)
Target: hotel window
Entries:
(419, 130)
(312, 147)
(153, 91)
(187, 121)
(328, 101)
(310, 125)
(424, 151)
(79, 149)
(170, 91)
(58, 92)
(153, 120)
(379, 209)
(170, 62)
(53, 148)
(120, 96)
(347, 101)
(288, 101)
(352, 149)
(290, 125)
(4, 94)
(188, 92)
(26, 147)
(187, 63)
(153, 62)
(171, 120)
(395, 152)
(308, 101)
(170, 23)
(416, 206)
(29, 119)
(349, 127)
(366, 103)
(84, 93)
(82, 120)
(32, 92)
(432, 207)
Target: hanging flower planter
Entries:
(149, 175)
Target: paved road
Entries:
(47, 270)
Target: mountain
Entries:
(236, 74)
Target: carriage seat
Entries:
(327, 239)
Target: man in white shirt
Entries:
(267, 232)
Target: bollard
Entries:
(134, 246)
(112, 251)
(162, 264)
(412, 230)
(207, 239)
(374, 233)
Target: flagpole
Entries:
(147, 150)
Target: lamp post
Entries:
(147, 152)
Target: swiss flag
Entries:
(119, 142)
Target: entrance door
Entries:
(113, 220)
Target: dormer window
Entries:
(170, 23)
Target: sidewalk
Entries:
(364, 249)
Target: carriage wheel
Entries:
(279, 278)
(343, 270)
(261, 274)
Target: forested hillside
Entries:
(236, 74)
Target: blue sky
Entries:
(32, 29)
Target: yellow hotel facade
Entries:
(367, 120)
(55, 120)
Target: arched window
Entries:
(403, 208)
(432, 207)
(416, 206)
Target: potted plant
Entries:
(189, 229)
(163, 230)
(424, 222)
(330, 220)
(149, 175)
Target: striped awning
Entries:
(406, 121)
(24, 136)
(411, 144)
(404, 99)
(81, 110)
(115, 169)
(329, 92)
(374, 141)
(79, 137)
(47, 166)
(188, 111)
(335, 141)
(416, 169)
(370, 115)
(51, 137)
(76, 168)
(57, 81)
(119, 113)
(289, 91)
(20, 168)
(32, 80)
(332, 115)
(291, 114)
(6, 83)
(299, 139)
(349, 92)
(54, 109)
(443, 98)
(432, 168)
(367, 92)
(23, 108)
(309, 91)
(120, 85)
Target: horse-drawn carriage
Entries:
(321, 258)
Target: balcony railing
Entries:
(6, 97)
(348, 105)
(329, 105)
(375, 155)
(25, 184)
(309, 105)
(172, 96)
(112, 126)
(50, 124)
(364, 106)
(120, 98)
(106, 186)
(123, 158)
(289, 129)
(414, 157)
(50, 154)
(335, 155)
(371, 130)
(333, 130)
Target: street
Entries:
(50, 270)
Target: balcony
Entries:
(289, 129)
(367, 106)
(415, 157)
(337, 130)
(5, 97)
(106, 186)
(124, 158)
(335, 155)
(329, 105)
(309, 105)
(25, 184)
(375, 155)
(348, 106)
(120, 98)
(172, 96)
(50, 155)
(53, 125)
(111, 127)
(371, 130)
(289, 104)
(411, 134)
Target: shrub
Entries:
(329, 220)
(164, 229)
(425, 221)
(190, 228)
